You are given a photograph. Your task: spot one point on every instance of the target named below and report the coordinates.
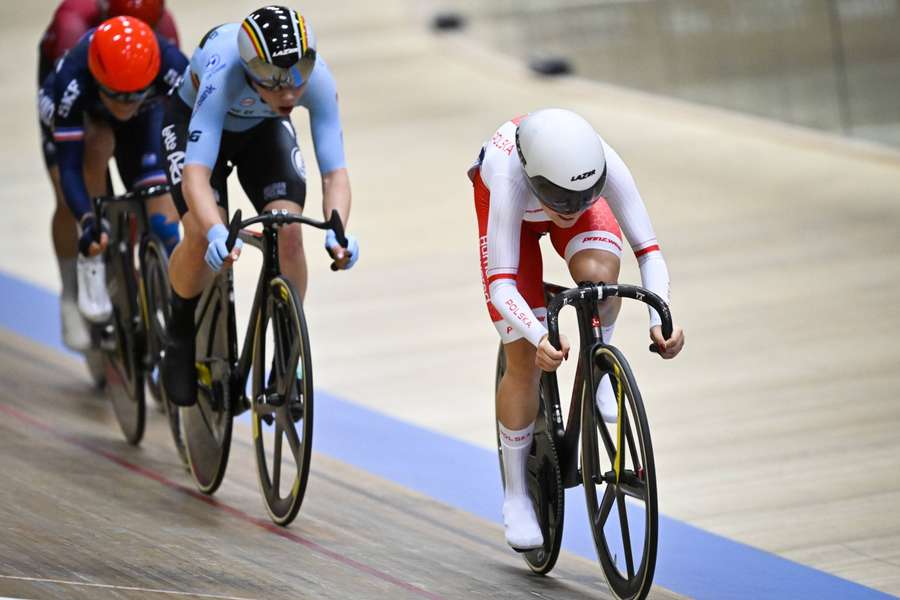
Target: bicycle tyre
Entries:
(206, 426)
(544, 483)
(123, 342)
(638, 482)
(155, 295)
(282, 418)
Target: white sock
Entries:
(68, 273)
(515, 445)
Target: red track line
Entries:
(234, 512)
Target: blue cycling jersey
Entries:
(222, 98)
(70, 93)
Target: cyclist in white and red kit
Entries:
(549, 172)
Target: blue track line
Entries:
(691, 561)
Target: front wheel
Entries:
(282, 401)
(620, 480)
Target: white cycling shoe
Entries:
(606, 401)
(522, 529)
(93, 298)
(75, 333)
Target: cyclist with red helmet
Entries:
(105, 99)
(71, 20)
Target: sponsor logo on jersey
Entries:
(503, 143)
(170, 140)
(248, 101)
(299, 165)
(69, 96)
(194, 136)
(172, 78)
(176, 165)
(207, 91)
(275, 191)
(584, 175)
(45, 108)
(214, 65)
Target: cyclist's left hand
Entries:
(344, 258)
(671, 347)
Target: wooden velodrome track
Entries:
(777, 427)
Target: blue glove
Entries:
(352, 246)
(216, 252)
(89, 233)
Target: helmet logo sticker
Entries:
(584, 175)
(285, 52)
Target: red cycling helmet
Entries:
(148, 11)
(124, 55)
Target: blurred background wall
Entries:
(827, 64)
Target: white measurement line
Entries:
(117, 587)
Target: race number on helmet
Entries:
(148, 11)
(123, 55)
(563, 159)
(277, 47)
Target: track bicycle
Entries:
(614, 462)
(125, 343)
(274, 361)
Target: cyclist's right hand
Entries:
(87, 243)
(217, 253)
(549, 358)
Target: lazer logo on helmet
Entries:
(584, 175)
(284, 52)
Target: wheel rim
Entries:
(620, 487)
(282, 422)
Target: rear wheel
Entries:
(207, 425)
(282, 401)
(620, 481)
(544, 484)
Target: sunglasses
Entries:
(125, 97)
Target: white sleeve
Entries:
(503, 239)
(622, 195)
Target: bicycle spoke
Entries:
(606, 504)
(630, 485)
(293, 439)
(626, 534)
(276, 460)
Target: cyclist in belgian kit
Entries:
(549, 172)
(232, 110)
(71, 20)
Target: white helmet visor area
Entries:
(563, 201)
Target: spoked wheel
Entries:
(207, 425)
(544, 484)
(123, 343)
(620, 481)
(155, 297)
(282, 402)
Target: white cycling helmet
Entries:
(563, 159)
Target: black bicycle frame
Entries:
(267, 242)
(584, 299)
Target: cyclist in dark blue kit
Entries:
(233, 110)
(105, 99)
